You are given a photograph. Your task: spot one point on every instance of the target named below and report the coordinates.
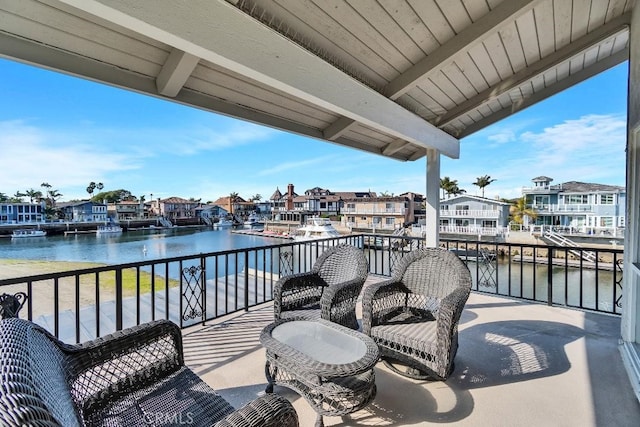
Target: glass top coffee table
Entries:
(331, 366)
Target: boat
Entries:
(475, 255)
(27, 232)
(253, 221)
(316, 228)
(109, 229)
(223, 223)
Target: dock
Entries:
(263, 233)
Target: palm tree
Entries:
(519, 211)
(257, 198)
(33, 194)
(232, 199)
(456, 191)
(18, 196)
(450, 187)
(3, 198)
(483, 181)
(91, 188)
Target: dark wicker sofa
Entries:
(135, 377)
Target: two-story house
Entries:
(127, 209)
(19, 212)
(466, 214)
(210, 213)
(577, 206)
(381, 213)
(175, 207)
(85, 211)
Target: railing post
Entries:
(246, 280)
(118, 299)
(549, 276)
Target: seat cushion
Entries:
(180, 399)
(407, 336)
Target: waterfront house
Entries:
(466, 214)
(126, 210)
(85, 211)
(381, 213)
(236, 206)
(20, 213)
(211, 212)
(577, 207)
(175, 207)
(404, 82)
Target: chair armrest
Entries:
(379, 299)
(450, 310)
(118, 364)
(295, 291)
(270, 410)
(447, 318)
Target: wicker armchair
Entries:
(413, 317)
(329, 291)
(134, 377)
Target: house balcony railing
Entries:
(83, 304)
(469, 213)
(372, 211)
(560, 208)
(474, 230)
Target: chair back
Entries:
(35, 381)
(341, 263)
(432, 272)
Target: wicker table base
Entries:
(331, 366)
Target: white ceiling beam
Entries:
(608, 30)
(393, 147)
(222, 34)
(505, 12)
(338, 128)
(175, 72)
(584, 74)
(417, 155)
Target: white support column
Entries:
(432, 209)
(630, 329)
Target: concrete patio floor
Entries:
(518, 364)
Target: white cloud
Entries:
(590, 148)
(289, 166)
(203, 138)
(32, 156)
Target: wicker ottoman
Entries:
(331, 366)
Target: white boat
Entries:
(30, 232)
(109, 229)
(223, 223)
(316, 228)
(253, 221)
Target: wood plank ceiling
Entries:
(392, 77)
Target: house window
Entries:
(390, 221)
(606, 199)
(323, 205)
(606, 221)
(576, 199)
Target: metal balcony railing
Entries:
(83, 304)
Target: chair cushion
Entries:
(408, 335)
(180, 398)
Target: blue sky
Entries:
(68, 132)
